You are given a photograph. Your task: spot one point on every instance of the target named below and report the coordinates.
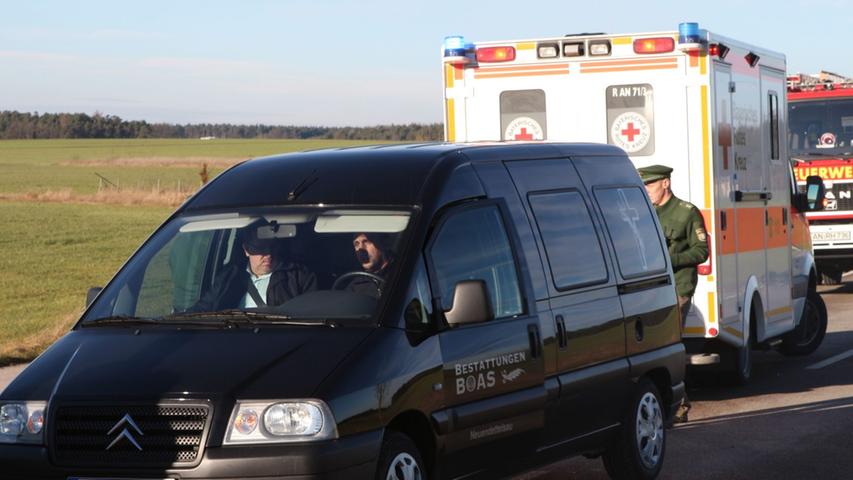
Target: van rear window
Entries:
(632, 230)
(571, 243)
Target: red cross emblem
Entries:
(631, 131)
(524, 135)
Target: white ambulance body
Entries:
(710, 107)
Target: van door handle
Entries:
(562, 337)
(638, 329)
(533, 335)
(723, 222)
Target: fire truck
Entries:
(820, 139)
(711, 107)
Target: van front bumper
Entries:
(353, 456)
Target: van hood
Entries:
(112, 363)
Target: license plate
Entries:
(831, 236)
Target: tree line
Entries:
(22, 125)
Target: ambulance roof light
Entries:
(455, 50)
(495, 54)
(718, 50)
(689, 37)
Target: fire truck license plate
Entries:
(830, 236)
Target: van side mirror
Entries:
(815, 192)
(470, 304)
(91, 294)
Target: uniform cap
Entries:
(654, 173)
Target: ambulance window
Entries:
(523, 115)
(571, 242)
(631, 118)
(774, 125)
(632, 230)
(472, 244)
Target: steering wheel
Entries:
(379, 281)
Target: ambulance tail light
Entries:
(654, 45)
(495, 54)
(713, 332)
(705, 268)
(455, 50)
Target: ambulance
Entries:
(712, 108)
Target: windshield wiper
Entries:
(119, 320)
(247, 317)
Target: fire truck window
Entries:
(631, 118)
(523, 115)
(774, 125)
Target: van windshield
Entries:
(295, 265)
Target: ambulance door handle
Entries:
(784, 215)
(723, 222)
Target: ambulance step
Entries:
(703, 359)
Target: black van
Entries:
(391, 312)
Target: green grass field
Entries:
(37, 166)
(54, 251)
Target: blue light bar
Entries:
(689, 33)
(454, 46)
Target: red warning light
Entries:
(718, 50)
(713, 332)
(654, 45)
(495, 54)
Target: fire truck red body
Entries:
(820, 136)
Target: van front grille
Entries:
(155, 436)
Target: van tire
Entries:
(808, 335)
(638, 451)
(400, 459)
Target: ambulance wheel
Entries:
(809, 334)
(830, 277)
(400, 459)
(637, 453)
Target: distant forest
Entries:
(17, 125)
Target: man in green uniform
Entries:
(686, 240)
(683, 228)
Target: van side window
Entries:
(523, 115)
(632, 230)
(472, 244)
(571, 243)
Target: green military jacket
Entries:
(686, 240)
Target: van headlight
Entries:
(281, 421)
(22, 422)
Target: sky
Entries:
(333, 62)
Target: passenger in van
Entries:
(373, 253)
(686, 240)
(266, 280)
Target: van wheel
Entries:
(639, 450)
(809, 334)
(400, 459)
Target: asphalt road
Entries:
(793, 421)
